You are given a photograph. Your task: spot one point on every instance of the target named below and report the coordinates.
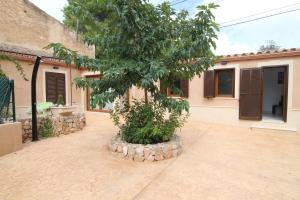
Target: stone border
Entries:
(149, 152)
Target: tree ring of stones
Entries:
(149, 152)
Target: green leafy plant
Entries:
(43, 108)
(146, 123)
(17, 65)
(60, 100)
(46, 128)
(139, 45)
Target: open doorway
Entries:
(274, 93)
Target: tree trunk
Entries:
(146, 96)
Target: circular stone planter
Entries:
(149, 152)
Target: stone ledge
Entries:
(149, 152)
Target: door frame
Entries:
(88, 97)
(285, 88)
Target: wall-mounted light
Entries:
(223, 62)
(55, 67)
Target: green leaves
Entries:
(139, 44)
(16, 63)
(145, 123)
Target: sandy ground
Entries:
(218, 162)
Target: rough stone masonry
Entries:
(63, 125)
(149, 152)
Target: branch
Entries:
(17, 65)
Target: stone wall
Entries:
(149, 152)
(63, 125)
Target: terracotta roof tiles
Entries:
(262, 55)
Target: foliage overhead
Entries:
(139, 44)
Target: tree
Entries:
(270, 45)
(140, 44)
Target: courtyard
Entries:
(218, 162)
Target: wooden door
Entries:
(250, 104)
(99, 108)
(184, 86)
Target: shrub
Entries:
(146, 123)
(43, 109)
(60, 100)
(46, 128)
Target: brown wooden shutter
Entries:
(184, 85)
(250, 94)
(50, 87)
(209, 84)
(163, 90)
(55, 86)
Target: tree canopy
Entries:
(269, 45)
(139, 44)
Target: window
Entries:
(176, 85)
(55, 86)
(224, 82)
(181, 91)
(219, 83)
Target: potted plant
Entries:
(60, 100)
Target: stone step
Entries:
(273, 129)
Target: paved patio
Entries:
(218, 162)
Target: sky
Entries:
(284, 29)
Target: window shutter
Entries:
(55, 86)
(50, 87)
(61, 86)
(250, 104)
(209, 84)
(184, 84)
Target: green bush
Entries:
(60, 100)
(146, 123)
(43, 109)
(46, 128)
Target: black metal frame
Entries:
(12, 85)
(33, 99)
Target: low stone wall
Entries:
(149, 152)
(62, 125)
